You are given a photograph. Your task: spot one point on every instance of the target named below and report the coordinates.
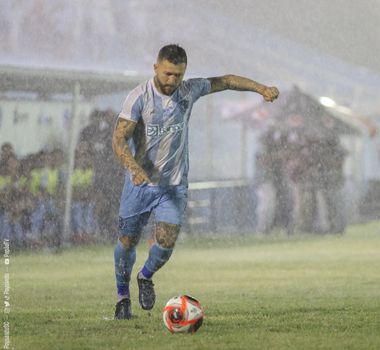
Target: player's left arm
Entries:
(235, 82)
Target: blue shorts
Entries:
(137, 202)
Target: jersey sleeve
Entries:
(199, 87)
(132, 107)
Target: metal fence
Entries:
(220, 207)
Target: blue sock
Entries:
(146, 273)
(124, 258)
(158, 256)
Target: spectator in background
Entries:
(84, 224)
(52, 180)
(15, 203)
(39, 195)
(317, 172)
(23, 204)
(331, 181)
(26, 166)
(5, 184)
(45, 186)
(305, 175)
(58, 165)
(7, 152)
(278, 149)
(108, 175)
(275, 207)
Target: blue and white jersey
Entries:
(160, 139)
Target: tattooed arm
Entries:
(123, 131)
(234, 82)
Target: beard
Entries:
(165, 88)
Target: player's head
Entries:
(6, 150)
(173, 53)
(170, 68)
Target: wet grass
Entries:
(274, 292)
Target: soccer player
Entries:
(151, 141)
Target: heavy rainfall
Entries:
(308, 162)
(280, 234)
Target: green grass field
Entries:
(274, 292)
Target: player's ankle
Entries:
(145, 274)
(121, 297)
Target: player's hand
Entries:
(139, 177)
(270, 93)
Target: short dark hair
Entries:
(173, 53)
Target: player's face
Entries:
(168, 76)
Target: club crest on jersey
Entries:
(160, 130)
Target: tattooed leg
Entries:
(125, 258)
(167, 234)
(160, 252)
(129, 242)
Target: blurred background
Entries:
(310, 162)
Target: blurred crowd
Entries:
(299, 183)
(33, 189)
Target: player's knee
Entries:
(129, 242)
(167, 234)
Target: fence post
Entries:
(74, 132)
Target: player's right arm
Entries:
(123, 132)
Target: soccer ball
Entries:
(183, 314)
